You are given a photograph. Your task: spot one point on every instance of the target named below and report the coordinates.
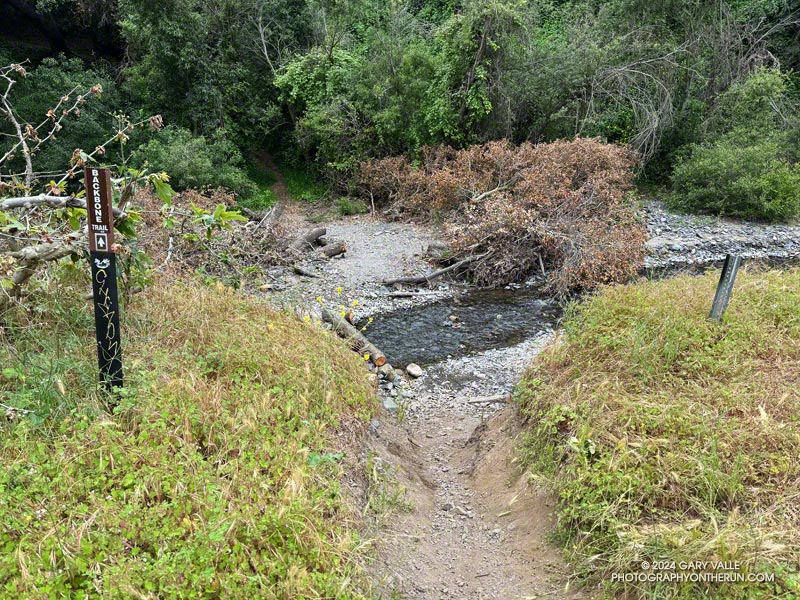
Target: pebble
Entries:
(414, 370)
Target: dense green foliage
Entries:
(749, 168)
(215, 476)
(671, 437)
(331, 83)
(195, 161)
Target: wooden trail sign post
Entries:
(104, 275)
(725, 286)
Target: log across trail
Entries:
(357, 341)
(307, 240)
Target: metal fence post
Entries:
(725, 287)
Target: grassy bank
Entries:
(671, 438)
(215, 476)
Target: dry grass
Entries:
(215, 477)
(673, 438)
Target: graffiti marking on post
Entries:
(104, 276)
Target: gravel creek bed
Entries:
(678, 240)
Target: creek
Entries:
(460, 326)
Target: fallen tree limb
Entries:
(410, 294)
(28, 259)
(271, 217)
(307, 240)
(500, 398)
(436, 274)
(303, 271)
(358, 342)
(484, 195)
(51, 202)
(333, 249)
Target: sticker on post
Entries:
(101, 241)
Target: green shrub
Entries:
(747, 166)
(351, 206)
(302, 185)
(264, 179)
(737, 177)
(197, 161)
(261, 199)
(215, 477)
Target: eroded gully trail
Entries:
(479, 527)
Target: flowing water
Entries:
(460, 326)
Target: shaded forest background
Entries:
(705, 92)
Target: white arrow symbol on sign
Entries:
(100, 240)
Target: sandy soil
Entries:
(479, 527)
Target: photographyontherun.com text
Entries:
(692, 571)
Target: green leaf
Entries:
(11, 373)
(74, 216)
(164, 190)
(126, 227)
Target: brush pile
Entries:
(510, 211)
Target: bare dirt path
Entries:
(279, 186)
(479, 527)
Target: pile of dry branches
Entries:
(563, 207)
(235, 252)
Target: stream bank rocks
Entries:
(677, 240)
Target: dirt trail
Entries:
(479, 527)
(279, 187)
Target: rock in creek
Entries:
(414, 370)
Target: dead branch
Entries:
(498, 399)
(436, 274)
(31, 257)
(332, 249)
(270, 218)
(308, 239)
(50, 201)
(300, 270)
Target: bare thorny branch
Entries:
(29, 138)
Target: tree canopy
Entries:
(333, 82)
